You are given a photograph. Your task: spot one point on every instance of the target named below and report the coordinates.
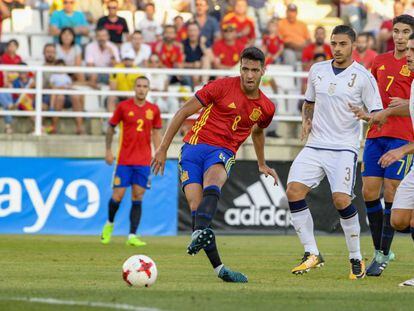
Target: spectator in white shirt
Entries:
(151, 29)
(141, 50)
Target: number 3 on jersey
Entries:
(140, 126)
(235, 123)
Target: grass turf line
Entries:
(81, 269)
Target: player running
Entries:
(394, 79)
(232, 109)
(140, 123)
(332, 147)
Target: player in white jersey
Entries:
(402, 212)
(332, 146)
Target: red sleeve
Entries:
(157, 122)
(265, 122)
(374, 68)
(210, 92)
(117, 116)
(306, 55)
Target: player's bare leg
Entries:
(350, 225)
(135, 215)
(303, 223)
(113, 206)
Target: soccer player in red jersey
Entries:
(232, 109)
(394, 80)
(140, 124)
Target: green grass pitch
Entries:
(80, 269)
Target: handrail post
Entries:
(38, 100)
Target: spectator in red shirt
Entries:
(385, 41)
(272, 44)
(362, 54)
(244, 25)
(180, 28)
(317, 47)
(10, 57)
(227, 50)
(169, 50)
(4, 13)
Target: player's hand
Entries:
(397, 101)
(158, 161)
(379, 118)
(306, 129)
(391, 157)
(359, 113)
(264, 169)
(109, 157)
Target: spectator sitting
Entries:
(318, 47)
(180, 28)
(141, 50)
(362, 54)
(151, 30)
(24, 101)
(272, 43)
(385, 40)
(227, 50)
(245, 28)
(169, 50)
(209, 26)
(294, 33)
(70, 52)
(68, 17)
(101, 53)
(122, 81)
(10, 57)
(116, 25)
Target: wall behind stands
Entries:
(70, 196)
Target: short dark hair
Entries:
(101, 29)
(169, 26)
(346, 30)
(150, 4)
(69, 29)
(47, 45)
(253, 53)
(194, 23)
(364, 34)
(142, 77)
(13, 41)
(404, 19)
(137, 31)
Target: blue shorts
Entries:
(374, 149)
(195, 160)
(127, 175)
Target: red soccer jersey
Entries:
(241, 24)
(273, 44)
(169, 55)
(228, 115)
(136, 124)
(367, 60)
(229, 54)
(310, 50)
(394, 80)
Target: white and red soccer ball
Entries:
(139, 271)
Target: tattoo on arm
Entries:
(307, 111)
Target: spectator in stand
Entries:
(10, 57)
(141, 50)
(210, 28)
(101, 53)
(245, 28)
(69, 51)
(122, 81)
(385, 41)
(272, 44)
(353, 13)
(169, 50)
(151, 30)
(180, 28)
(318, 47)
(4, 14)
(227, 50)
(258, 9)
(116, 25)
(68, 17)
(294, 33)
(362, 54)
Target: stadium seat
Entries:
(45, 20)
(286, 83)
(23, 49)
(26, 21)
(129, 19)
(139, 15)
(37, 42)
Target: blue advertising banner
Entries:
(70, 196)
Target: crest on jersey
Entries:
(255, 115)
(149, 114)
(331, 89)
(405, 71)
(117, 181)
(131, 114)
(236, 57)
(184, 176)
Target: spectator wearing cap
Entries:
(117, 26)
(294, 33)
(209, 26)
(122, 81)
(227, 50)
(317, 47)
(245, 27)
(151, 29)
(101, 53)
(362, 54)
(68, 17)
(141, 50)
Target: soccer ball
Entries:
(139, 271)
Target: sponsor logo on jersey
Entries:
(149, 114)
(255, 115)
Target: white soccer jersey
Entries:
(334, 125)
(412, 103)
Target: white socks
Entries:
(352, 233)
(303, 224)
(217, 269)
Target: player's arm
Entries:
(156, 138)
(307, 115)
(191, 107)
(258, 138)
(395, 155)
(109, 157)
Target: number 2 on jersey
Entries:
(391, 78)
(140, 126)
(235, 123)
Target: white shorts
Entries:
(312, 165)
(404, 197)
